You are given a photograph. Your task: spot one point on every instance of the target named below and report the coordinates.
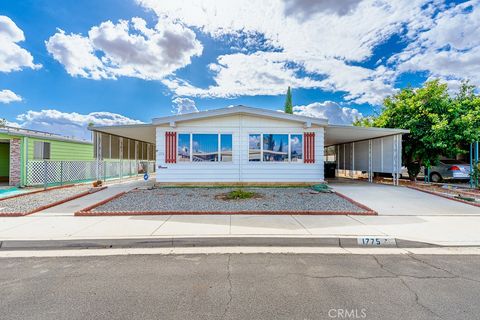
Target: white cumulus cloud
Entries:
(126, 48)
(334, 112)
(261, 73)
(7, 96)
(317, 44)
(71, 124)
(183, 105)
(449, 48)
(12, 56)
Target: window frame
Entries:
(219, 149)
(289, 148)
(42, 150)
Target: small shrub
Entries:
(239, 194)
(97, 183)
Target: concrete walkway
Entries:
(392, 200)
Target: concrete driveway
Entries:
(392, 200)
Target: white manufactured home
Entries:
(251, 145)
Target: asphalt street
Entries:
(241, 286)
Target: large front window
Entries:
(226, 145)
(254, 147)
(275, 147)
(296, 147)
(279, 147)
(183, 147)
(204, 147)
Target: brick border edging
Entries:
(358, 204)
(444, 196)
(87, 212)
(37, 191)
(53, 204)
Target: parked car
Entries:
(447, 169)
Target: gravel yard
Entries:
(211, 200)
(29, 202)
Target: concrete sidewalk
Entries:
(440, 230)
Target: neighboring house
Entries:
(247, 145)
(18, 146)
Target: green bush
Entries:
(239, 194)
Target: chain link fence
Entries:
(52, 172)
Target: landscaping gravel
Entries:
(29, 202)
(209, 200)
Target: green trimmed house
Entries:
(18, 146)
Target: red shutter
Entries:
(309, 147)
(170, 147)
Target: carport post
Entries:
(471, 165)
(353, 160)
(370, 173)
(110, 146)
(99, 156)
(395, 162)
(476, 162)
(120, 156)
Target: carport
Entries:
(126, 142)
(361, 149)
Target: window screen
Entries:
(204, 147)
(254, 147)
(225, 147)
(275, 147)
(41, 150)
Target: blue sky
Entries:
(67, 63)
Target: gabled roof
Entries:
(240, 110)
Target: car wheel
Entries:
(435, 177)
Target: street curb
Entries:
(174, 242)
(53, 204)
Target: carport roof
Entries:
(334, 134)
(338, 134)
(142, 132)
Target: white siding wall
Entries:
(240, 169)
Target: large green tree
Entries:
(439, 124)
(288, 102)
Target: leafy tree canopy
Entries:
(439, 123)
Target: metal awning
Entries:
(338, 134)
(141, 132)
